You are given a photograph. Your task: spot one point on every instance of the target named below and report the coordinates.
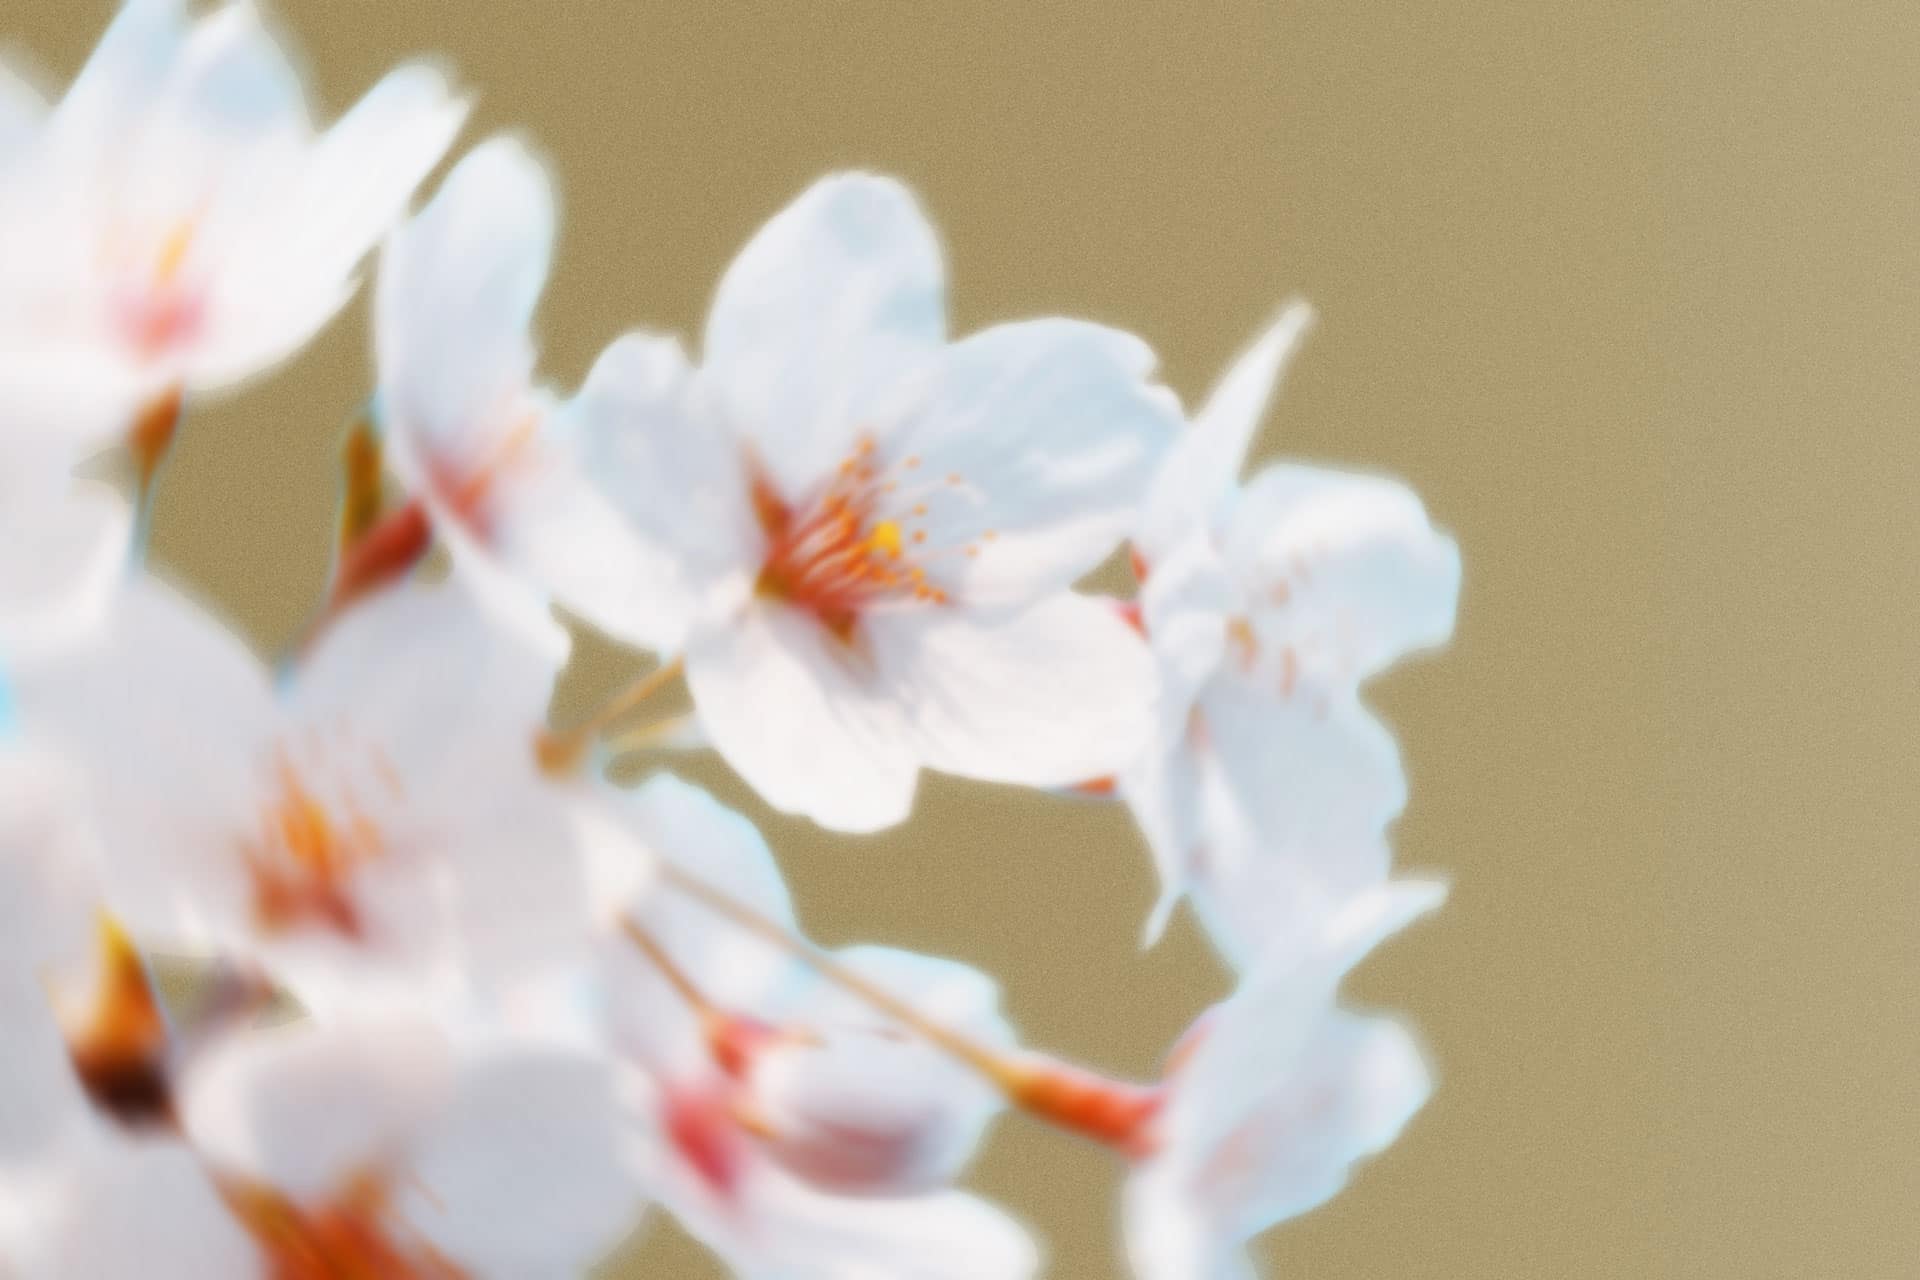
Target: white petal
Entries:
(497, 571)
(124, 72)
(1251, 1044)
(304, 1107)
(1039, 439)
(227, 125)
(61, 400)
(60, 559)
(780, 1229)
(43, 1111)
(1358, 1083)
(1354, 1085)
(1171, 1234)
(951, 1236)
(1056, 693)
(167, 714)
(49, 869)
(1203, 465)
(865, 1106)
(806, 719)
(521, 1173)
(826, 310)
(458, 287)
(674, 517)
(1295, 800)
(415, 670)
(231, 74)
(147, 1209)
(22, 113)
(1345, 572)
(1185, 608)
(429, 717)
(1163, 791)
(357, 181)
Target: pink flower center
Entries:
(863, 542)
(470, 487)
(160, 310)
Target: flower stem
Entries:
(562, 750)
(667, 732)
(1109, 1111)
(676, 977)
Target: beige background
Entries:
(1629, 292)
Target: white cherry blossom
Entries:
(486, 450)
(877, 528)
(790, 1128)
(372, 1147)
(1274, 1096)
(176, 223)
(376, 821)
(1271, 785)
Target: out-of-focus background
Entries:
(1629, 292)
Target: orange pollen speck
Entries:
(855, 546)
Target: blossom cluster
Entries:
(531, 1006)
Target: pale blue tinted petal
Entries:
(831, 304)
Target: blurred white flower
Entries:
(1268, 793)
(85, 1050)
(468, 431)
(785, 1124)
(372, 1147)
(1274, 1096)
(877, 529)
(175, 223)
(378, 822)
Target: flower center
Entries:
(309, 850)
(865, 541)
(469, 486)
(158, 309)
(352, 1236)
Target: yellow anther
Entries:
(885, 538)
